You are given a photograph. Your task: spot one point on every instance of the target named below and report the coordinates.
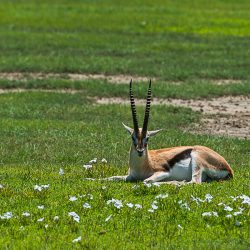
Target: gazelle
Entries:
(192, 164)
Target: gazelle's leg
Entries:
(196, 171)
(157, 176)
(120, 178)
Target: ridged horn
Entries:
(147, 111)
(133, 109)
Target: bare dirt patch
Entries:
(229, 116)
(118, 79)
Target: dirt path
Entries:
(229, 116)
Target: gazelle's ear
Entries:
(130, 130)
(154, 132)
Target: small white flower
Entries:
(77, 239)
(221, 204)
(208, 197)
(61, 171)
(227, 208)
(108, 218)
(151, 210)
(180, 227)
(104, 161)
(1, 186)
(72, 198)
(26, 214)
(117, 203)
(229, 216)
(209, 214)
(21, 228)
(130, 205)
(91, 196)
(162, 196)
(184, 205)
(154, 206)
(87, 166)
(86, 205)
(104, 187)
(40, 220)
(93, 161)
(40, 188)
(56, 218)
(6, 216)
(197, 200)
(46, 226)
(41, 207)
(138, 206)
(245, 199)
(75, 216)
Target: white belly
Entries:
(181, 171)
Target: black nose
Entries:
(140, 152)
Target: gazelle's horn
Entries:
(133, 109)
(147, 111)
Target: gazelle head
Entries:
(140, 136)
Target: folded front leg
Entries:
(157, 176)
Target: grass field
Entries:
(48, 137)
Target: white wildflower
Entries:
(162, 196)
(209, 214)
(130, 205)
(61, 171)
(6, 216)
(93, 161)
(41, 207)
(73, 198)
(208, 197)
(77, 239)
(75, 216)
(26, 214)
(227, 208)
(108, 218)
(229, 216)
(183, 205)
(154, 206)
(138, 206)
(104, 161)
(21, 228)
(87, 166)
(91, 196)
(151, 210)
(40, 188)
(40, 220)
(1, 186)
(86, 205)
(46, 226)
(221, 204)
(245, 199)
(197, 200)
(117, 203)
(104, 187)
(56, 218)
(180, 227)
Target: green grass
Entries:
(168, 39)
(193, 41)
(43, 132)
(194, 89)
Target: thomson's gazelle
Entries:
(193, 164)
